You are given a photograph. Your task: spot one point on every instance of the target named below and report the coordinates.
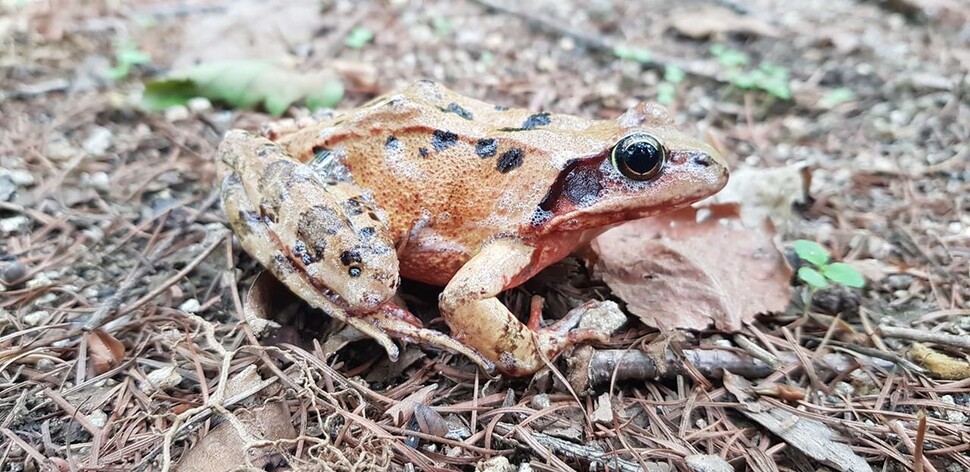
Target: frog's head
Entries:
(646, 167)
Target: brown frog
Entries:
(426, 184)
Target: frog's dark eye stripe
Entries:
(639, 156)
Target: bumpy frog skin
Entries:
(433, 186)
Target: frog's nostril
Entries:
(702, 159)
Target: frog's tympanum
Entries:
(429, 185)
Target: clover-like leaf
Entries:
(812, 277)
(810, 251)
(842, 273)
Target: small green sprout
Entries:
(667, 89)
(640, 55)
(768, 78)
(127, 55)
(358, 37)
(442, 26)
(824, 271)
(837, 97)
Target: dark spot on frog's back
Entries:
(536, 120)
(423, 151)
(300, 251)
(501, 108)
(441, 140)
(366, 233)
(510, 160)
(352, 206)
(486, 147)
(350, 257)
(460, 111)
(392, 143)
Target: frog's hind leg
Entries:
(480, 320)
(256, 226)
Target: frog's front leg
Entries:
(481, 321)
(323, 239)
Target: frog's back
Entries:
(449, 171)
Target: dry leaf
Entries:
(713, 21)
(224, 448)
(812, 437)
(266, 294)
(106, 351)
(402, 411)
(767, 193)
(430, 421)
(674, 272)
(247, 29)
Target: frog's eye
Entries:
(639, 156)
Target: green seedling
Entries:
(822, 271)
(768, 78)
(127, 55)
(667, 89)
(640, 55)
(358, 37)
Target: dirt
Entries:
(109, 220)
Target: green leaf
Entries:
(161, 94)
(358, 37)
(666, 93)
(674, 74)
(640, 55)
(810, 251)
(442, 26)
(244, 84)
(729, 57)
(842, 273)
(812, 277)
(837, 97)
(327, 97)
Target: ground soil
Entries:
(122, 341)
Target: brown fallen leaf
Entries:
(106, 351)
(714, 21)
(814, 438)
(767, 193)
(402, 411)
(675, 272)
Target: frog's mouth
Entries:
(591, 193)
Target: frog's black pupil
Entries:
(641, 156)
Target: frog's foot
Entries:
(480, 320)
(401, 324)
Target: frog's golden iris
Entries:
(639, 156)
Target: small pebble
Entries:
(36, 318)
(11, 271)
(98, 141)
(899, 281)
(177, 113)
(199, 105)
(190, 306)
(14, 224)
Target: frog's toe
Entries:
(593, 321)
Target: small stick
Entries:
(925, 336)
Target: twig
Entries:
(584, 452)
(920, 335)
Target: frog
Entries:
(429, 185)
